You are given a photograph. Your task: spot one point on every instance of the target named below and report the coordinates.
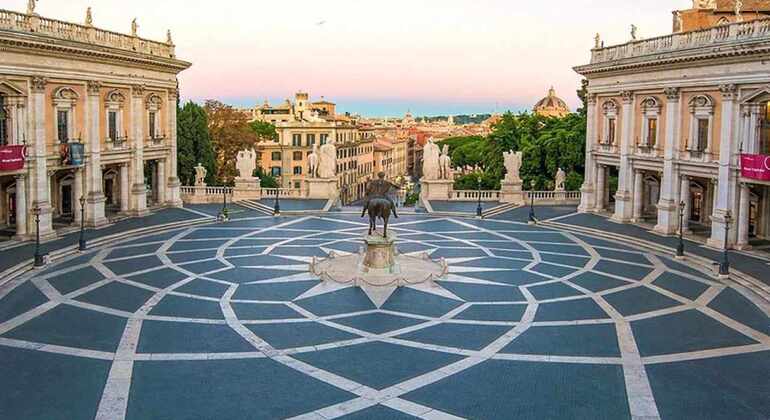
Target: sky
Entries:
(384, 58)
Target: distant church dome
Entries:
(551, 105)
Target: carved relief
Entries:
(610, 107)
(154, 101)
(65, 93)
(651, 104)
(701, 101)
(115, 97)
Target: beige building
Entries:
(670, 117)
(96, 111)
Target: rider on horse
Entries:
(379, 188)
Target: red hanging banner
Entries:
(755, 167)
(12, 157)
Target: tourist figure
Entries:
(380, 188)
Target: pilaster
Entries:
(39, 180)
(95, 199)
(138, 204)
(726, 192)
(173, 195)
(623, 197)
(670, 183)
(588, 192)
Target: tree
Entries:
(194, 144)
(266, 180)
(582, 93)
(230, 133)
(264, 130)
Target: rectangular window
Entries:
(62, 126)
(324, 138)
(152, 124)
(112, 125)
(297, 170)
(296, 140)
(652, 132)
(297, 156)
(310, 140)
(611, 131)
(275, 171)
(703, 134)
(276, 156)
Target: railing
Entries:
(74, 32)
(120, 143)
(755, 29)
(156, 141)
(472, 195)
(540, 196)
(282, 192)
(193, 190)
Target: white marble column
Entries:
(21, 207)
(588, 191)
(623, 197)
(638, 196)
(601, 178)
(743, 217)
(124, 188)
(685, 197)
(138, 205)
(94, 184)
(726, 193)
(40, 195)
(162, 182)
(669, 182)
(173, 196)
(77, 192)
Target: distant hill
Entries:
(460, 119)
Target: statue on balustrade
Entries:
(378, 202)
(246, 163)
(200, 175)
(561, 178)
(327, 165)
(430, 161)
(31, 7)
(512, 162)
(312, 160)
(445, 164)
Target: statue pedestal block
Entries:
(247, 189)
(322, 188)
(438, 189)
(510, 192)
(380, 252)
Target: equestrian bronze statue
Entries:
(378, 203)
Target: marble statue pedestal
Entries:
(247, 189)
(436, 189)
(510, 192)
(380, 252)
(322, 188)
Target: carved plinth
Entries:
(511, 192)
(322, 188)
(380, 252)
(437, 189)
(247, 189)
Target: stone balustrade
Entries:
(21, 22)
(711, 37)
(552, 197)
(204, 195)
(473, 195)
(283, 192)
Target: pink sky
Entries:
(474, 53)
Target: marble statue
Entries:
(597, 41)
(738, 8)
(31, 7)
(134, 27)
(445, 163)
(634, 32)
(246, 163)
(200, 175)
(312, 160)
(169, 40)
(430, 161)
(512, 162)
(89, 17)
(679, 22)
(327, 165)
(561, 177)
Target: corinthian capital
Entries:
(591, 99)
(38, 83)
(729, 91)
(672, 93)
(93, 87)
(627, 96)
(138, 90)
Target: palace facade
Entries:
(93, 114)
(668, 119)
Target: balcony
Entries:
(156, 141)
(648, 150)
(118, 143)
(607, 147)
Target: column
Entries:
(669, 182)
(172, 196)
(138, 205)
(743, 217)
(162, 182)
(726, 193)
(601, 175)
(40, 195)
(623, 197)
(124, 188)
(21, 207)
(588, 193)
(77, 192)
(638, 196)
(95, 199)
(685, 197)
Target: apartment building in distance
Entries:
(677, 119)
(84, 113)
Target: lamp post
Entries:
(479, 210)
(82, 240)
(680, 246)
(39, 258)
(223, 214)
(532, 219)
(277, 205)
(724, 266)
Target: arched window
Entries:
(3, 122)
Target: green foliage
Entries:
(411, 199)
(264, 130)
(266, 180)
(194, 144)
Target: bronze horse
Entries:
(379, 207)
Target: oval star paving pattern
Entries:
(223, 321)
